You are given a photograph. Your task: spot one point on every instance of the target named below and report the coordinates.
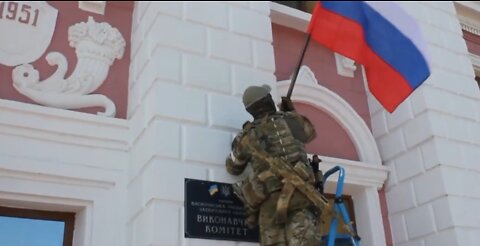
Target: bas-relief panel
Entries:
(30, 26)
(115, 87)
(97, 45)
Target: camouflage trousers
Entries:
(300, 229)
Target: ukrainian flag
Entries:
(213, 189)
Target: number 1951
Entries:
(18, 11)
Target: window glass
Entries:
(26, 227)
(30, 232)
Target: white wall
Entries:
(432, 142)
(59, 160)
(190, 64)
(188, 71)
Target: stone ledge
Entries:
(59, 125)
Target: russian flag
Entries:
(382, 37)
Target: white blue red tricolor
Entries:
(382, 37)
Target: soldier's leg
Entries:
(271, 234)
(272, 237)
(302, 229)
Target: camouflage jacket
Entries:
(282, 135)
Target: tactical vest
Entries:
(282, 136)
(278, 135)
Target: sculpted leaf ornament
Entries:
(96, 45)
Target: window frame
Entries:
(66, 217)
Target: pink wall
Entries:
(288, 44)
(331, 139)
(117, 14)
(473, 42)
(386, 221)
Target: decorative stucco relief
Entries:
(345, 66)
(26, 30)
(97, 45)
(97, 7)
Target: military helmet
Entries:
(258, 101)
(254, 93)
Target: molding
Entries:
(357, 173)
(34, 24)
(308, 90)
(369, 217)
(50, 171)
(289, 17)
(471, 29)
(83, 209)
(97, 7)
(38, 202)
(467, 14)
(471, 5)
(97, 45)
(63, 126)
(56, 179)
(475, 61)
(345, 66)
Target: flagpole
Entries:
(299, 64)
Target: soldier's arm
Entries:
(301, 127)
(238, 158)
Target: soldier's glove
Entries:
(287, 105)
(319, 186)
(316, 159)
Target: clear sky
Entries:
(30, 232)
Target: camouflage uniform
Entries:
(285, 216)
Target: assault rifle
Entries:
(291, 178)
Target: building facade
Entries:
(122, 101)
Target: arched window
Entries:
(364, 177)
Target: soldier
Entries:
(285, 215)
